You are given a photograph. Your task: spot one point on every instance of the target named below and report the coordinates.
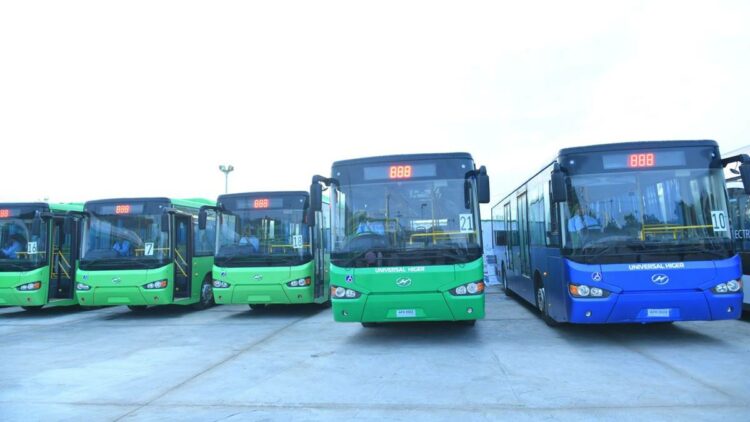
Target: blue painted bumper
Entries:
(655, 307)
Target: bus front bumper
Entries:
(655, 307)
(271, 294)
(13, 297)
(115, 296)
(408, 307)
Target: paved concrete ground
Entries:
(230, 363)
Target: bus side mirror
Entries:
(165, 222)
(310, 217)
(316, 197)
(202, 217)
(745, 175)
(558, 190)
(483, 186)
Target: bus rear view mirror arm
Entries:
(744, 161)
(203, 215)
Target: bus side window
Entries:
(501, 238)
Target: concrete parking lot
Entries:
(230, 363)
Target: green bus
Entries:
(145, 251)
(38, 254)
(405, 238)
(267, 253)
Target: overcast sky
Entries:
(146, 98)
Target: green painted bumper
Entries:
(408, 307)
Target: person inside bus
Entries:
(14, 246)
(581, 223)
(121, 247)
(248, 238)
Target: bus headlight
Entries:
(473, 288)
(160, 284)
(83, 287)
(343, 293)
(30, 286)
(302, 282)
(731, 286)
(219, 284)
(582, 290)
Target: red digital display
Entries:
(399, 172)
(644, 159)
(4, 213)
(260, 203)
(122, 209)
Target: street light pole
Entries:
(226, 169)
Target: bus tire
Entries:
(504, 279)
(258, 306)
(137, 308)
(542, 305)
(467, 322)
(369, 324)
(207, 295)
(326, 304)
(32, 308)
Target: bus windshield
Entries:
(22, 249)
(642, 216)
(415, 222)
(124, 241)
(263, 237)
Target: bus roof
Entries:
(404, 157)
(637, 145)
(267, 193)
(66, 206)
(189, 202)
(52, 206)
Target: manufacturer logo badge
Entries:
(403, 282)
(116, 280)
(258, 277)
(597, 276)
(660, 279)
(349, 278)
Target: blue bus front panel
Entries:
(653, 292)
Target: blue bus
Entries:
(623, 233)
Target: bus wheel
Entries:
(505, 282)
(137, 308)
(32, 308)
(258, 306)
(207, 295)
(541, 304)
(369, 324)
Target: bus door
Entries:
(523, 236)
(182, 255)
(63, 249)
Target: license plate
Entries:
(406, 313)
(656, 313)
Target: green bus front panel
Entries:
(126, 287)
(387, 296)
(264, 285)
(10, 281)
